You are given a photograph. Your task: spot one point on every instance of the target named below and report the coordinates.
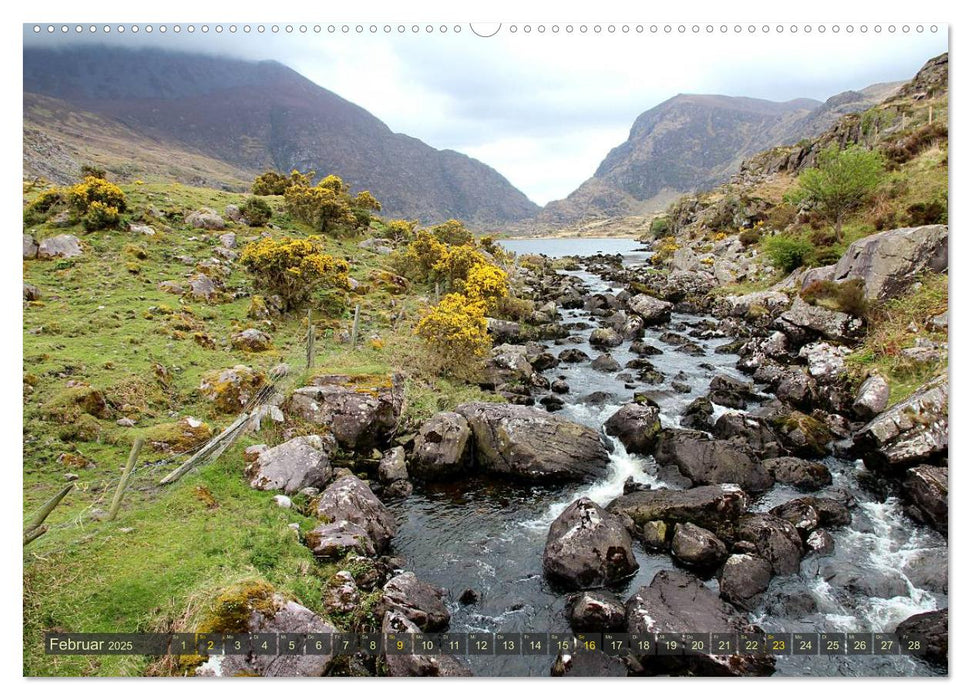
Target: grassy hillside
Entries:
(102, 327)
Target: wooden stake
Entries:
(31, 535)
(46, 509)
(310, 341)
(125, 478)
(214, 446)
(357, 324)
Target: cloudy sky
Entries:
(544, 109)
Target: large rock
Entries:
(30, 247)
(750, 430)
(652, 310)
(392, 466)
(800, 473)
(804, 322)
(925, 488)
(531, 444)
(335, 540)
(697, 548)
(412, 665)
(230, 390)
(872, 397)
(587, 547)
(205, 218)
(677, 602)
(826, 362)
(362, 412)
(716, 508)
(930, 629)
(62, 246)
(201, 286)
(636, 426)
(296, 464)
(271, 613)
(595, 612)
(508, 364)
(910, 432)
(754, 304)
(443, 447)
(776, 540)
(251, 340)
(418, 601)
(891, 261)
(349, 498)
(743, 580)
(605, 338)
(704, 460)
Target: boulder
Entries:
(508, 364)
(826, 362)
(652, 310)
(743, 580)
(412, 665)
(30, 247)
(912, 431)
(930, 630)
(251, 340)
(697, 548)
(698, 414)
(715, 508)
(820, 542)
(749, 430)
(925, 489)
(201, 286)
(418, 601)
(350, 499)
(230, 390)
(31, 293)
(831, 512)
(271, 613)
(775, 539)
(362, 412)
(704, 460)
(533, 445)
(392, 466)
(205, 218)
(587, 547)
(795, 387)
(804, 322)
(443, 447)
(636, 426)
(595, 612)
(292, 466)
(872, 397)
(62, 246)
(573, 355)
(227, 240)
(749, 305)
(800, 514)
(605, 338)
(891, 261)
(605, 363)
(333, 541)
(800, 473)
(677, 602)
(341, 595)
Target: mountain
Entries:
(116, 105)
(693, 142)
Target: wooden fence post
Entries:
(125, 478)
(357, 325)
(35, 527)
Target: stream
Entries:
(489, 536)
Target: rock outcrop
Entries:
(587, 547)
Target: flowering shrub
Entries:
(271, 182)
(664, 250)
(488, 284)
(95, 189)
(292, 268)
(452, 232)
(100, 216)
(455, 264)
(400, 231)
(456, 332)
(421, 258)
(328, 205)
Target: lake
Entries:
(562, 247)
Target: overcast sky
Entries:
(544, 109)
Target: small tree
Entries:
(841, 182)
(256, 211)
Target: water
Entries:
(563, 247)
(489, 536)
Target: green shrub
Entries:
(256, 211)
(924, 213)
(100, 216)
(41, 207)
(660, 227)
(292, 268)
(273, 183)
(848, 296)
(786, 253)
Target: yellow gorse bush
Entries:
(328, 205)
(95, 189)
(100, 216)
(488, 284)
(455, 264)
(293, 268)
(456, 331)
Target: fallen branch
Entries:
(35, 526)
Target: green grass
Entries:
(100, 324)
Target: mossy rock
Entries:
(181, 436)
(235, 605)
(231, 389)
(68, 405)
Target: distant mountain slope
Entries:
(256, 116)
(692, 142)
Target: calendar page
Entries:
(485, 349)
